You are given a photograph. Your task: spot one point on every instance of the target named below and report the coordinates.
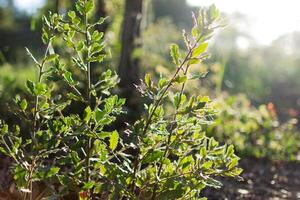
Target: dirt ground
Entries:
(263, 180)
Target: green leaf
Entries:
(114, 140)
(202, 102)
(153, 156)
(98, 58)
(79, 63)
(101, 20)
(230, 151)
(203, 152)
(104, 135)
(213, 12)
(52, 171)
(75, 97)
(19, 174)
(72, 14)
(52, 57)
(199, 50)
(186, 162)
(195, 32)
(23, 104)
(71, 34)
(162, 83)
(207, 165)
(176, 193)
(233, 163)
(66, 27)
(68, 77)
(89, 6)
(96, 48)
(198, 135)
(212, 144)
(176, 101)
(193, 61)
(79, 7)
(148, 80)
(174, 52)
(88, 185)
(204, 99)
(197, 76)
(96, 36)
(180, 79)
(30, 86)
(4, 129)
(87, 114)
(40, 89)
(80, 46)
(110, 103)
(99, 115)
(237, 171)
(120, 102)
(2, 150)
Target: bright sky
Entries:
(268, 19)
(29, 5)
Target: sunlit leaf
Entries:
(174, 52)
(199, 50)
(113, 140)
(87, 114)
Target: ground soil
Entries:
(263, 180)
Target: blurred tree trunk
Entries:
(53, 5)
(56, 6)
(101, 12)
(128, 68)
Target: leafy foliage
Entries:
(255, 131)
(168, 155)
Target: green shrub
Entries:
(12, 81)
(168, 155)
(255, 131)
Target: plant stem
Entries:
(31, 183)
(166, 152)
(35, 120)
(41, 69)
(157, 103)
(88, 75)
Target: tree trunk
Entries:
(101, 12)
(129, 65)
(56, 6)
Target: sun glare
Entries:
(29, 5)
(267, 19)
